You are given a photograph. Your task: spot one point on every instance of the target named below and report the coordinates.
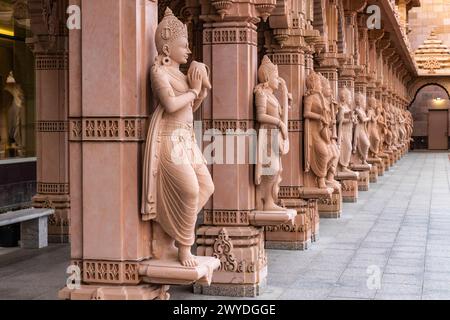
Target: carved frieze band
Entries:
(226, 217)
(51, 126)
(113, 272)
(227, 124)
(238, 35)
(289, 192)
(107, 129)
(48, 61)
(288, 58)
(295, 126)
(52, 188)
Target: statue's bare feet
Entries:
(186, 258)
(273, 207)
(322, 184)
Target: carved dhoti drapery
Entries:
(318, 153)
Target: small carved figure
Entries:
(317, 134)
(361, 141)
(373, 129)
(273, 137)
(345, 129)
(15, 112)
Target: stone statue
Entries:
(387, 132)
(361, 141)
(176, 181)
(15, 112)
(317, 133)
(373, 129)
(345, 129)
(381, 125)
(273, 137)
(330, 116)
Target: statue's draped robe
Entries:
(317, 140)
(373, 131)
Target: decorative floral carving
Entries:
(223, 251)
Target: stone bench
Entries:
(33, 226)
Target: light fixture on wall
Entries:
(6, 32)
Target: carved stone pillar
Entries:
(50, 47)
(230, 230)
(109, 98)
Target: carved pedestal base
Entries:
(99, 292)
(349, 186)
(377, 166)
(363, 181)
(287, 236)
(58, 224)
(331, 208)
(364, 174)
(172, 272)
(386, 161)
(373, 174)
(243, 260)
(313, 209)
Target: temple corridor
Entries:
(400, 227)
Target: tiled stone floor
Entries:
(399, 230)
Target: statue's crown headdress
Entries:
(169, 29)
(10, 78)
(266, 69)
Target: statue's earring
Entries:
(166, 61)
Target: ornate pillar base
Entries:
(243, 260)
(375, 169)
(331, 208)
(364, 174)
(313, 208)
(349, 186)
(291, 237)
(98, 292)
(386, 160)
(58, 224)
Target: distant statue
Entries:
(361, 141)
(273, 137)
(345, 122)
(373, 129)
(176, 181)
(330, 117)
(387, 133)
(317, 133)
(15, 112)
(382, 127)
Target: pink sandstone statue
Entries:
(345, 129)
(317, 134)
(361, 141)
(176, 181)
(387, 133)
(373, 129)
(272, 116)
(15, 113)
(330, 115)
(381, 125)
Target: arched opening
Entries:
(429, 109)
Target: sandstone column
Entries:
(50, 47)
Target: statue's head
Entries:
(360, 100)
(172, 39)
(326, 87)
(268, 73)
(345, 95)
(313, 82)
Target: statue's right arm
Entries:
(307, 113)
(261, 113)
(164, 92)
